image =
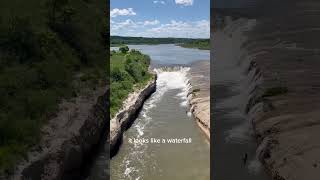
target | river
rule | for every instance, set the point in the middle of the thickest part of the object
(164, 116)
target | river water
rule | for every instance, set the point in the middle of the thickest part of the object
(165, 116)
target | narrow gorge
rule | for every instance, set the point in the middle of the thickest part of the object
(165, 116)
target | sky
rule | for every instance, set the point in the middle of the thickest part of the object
(160, 18)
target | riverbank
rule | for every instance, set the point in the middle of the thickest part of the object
(282, 83)
(126, 116)
(199, 94)
(202, 44)
(131, 84)
(129, 70)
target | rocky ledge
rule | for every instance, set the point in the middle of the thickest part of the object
(199, 95)
(284, 102)
(68, 139)
(126, 116)
(281, 60)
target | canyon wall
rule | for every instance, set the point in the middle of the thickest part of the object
(279, 55)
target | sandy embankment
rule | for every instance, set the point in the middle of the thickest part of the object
(283, 77)
(126, 116)
(199, 95)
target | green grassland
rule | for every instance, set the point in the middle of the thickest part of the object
(128, 71)
(49, 50)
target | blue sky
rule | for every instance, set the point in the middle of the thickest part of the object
(160, 18)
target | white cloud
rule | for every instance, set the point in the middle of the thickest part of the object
(130, 24)
(127, 24)
(160, 2)
(197, 29)
(122, 12)
(151, 23)
(184, 2)
(182, 29)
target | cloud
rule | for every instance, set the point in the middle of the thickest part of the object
(180, 29)
(130, 24)
(160, 2)
(122, 12)
(127, 24)
(151, 23)
(196, 29)
(184, 2)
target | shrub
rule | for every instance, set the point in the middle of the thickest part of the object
(127, 71)
(118, 74)
(124, 49)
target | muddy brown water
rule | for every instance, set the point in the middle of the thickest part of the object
(167, 119)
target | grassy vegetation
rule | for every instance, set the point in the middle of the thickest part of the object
(199, 44)
(119, 40)
(128, 70)
(49, 51)
(275, 91)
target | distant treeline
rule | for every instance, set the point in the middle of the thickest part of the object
(200, 44)
(120, 40)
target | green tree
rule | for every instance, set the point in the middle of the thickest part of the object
(124, 49)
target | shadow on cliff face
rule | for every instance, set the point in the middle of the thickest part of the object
(52, 53)
(233, 134)
(284, 52)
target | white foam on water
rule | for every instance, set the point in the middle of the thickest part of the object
(139, 129)
(175, 78)
(181, 95)
(184, 103)
(128, 169)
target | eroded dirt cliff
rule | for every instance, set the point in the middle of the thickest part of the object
(68, 139)
(280, 57)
